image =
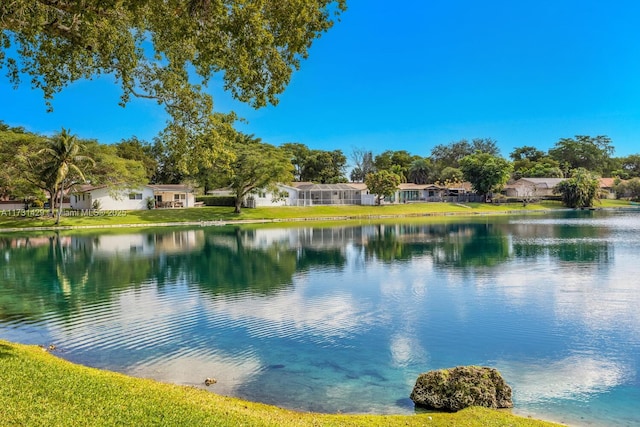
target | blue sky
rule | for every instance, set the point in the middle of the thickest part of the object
(411, 74)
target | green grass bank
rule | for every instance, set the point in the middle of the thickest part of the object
(16, 220)
(39, 389)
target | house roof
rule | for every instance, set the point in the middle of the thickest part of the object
(298, 184)
(327, 187)
(172, 187)
(540, 182)
(85, 188)
(607, 182)
(466, 186)
(411, 186)
(359, 185)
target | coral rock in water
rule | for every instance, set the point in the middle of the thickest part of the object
(457, 388)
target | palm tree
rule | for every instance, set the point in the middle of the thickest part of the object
(400, 171)
(420, 171)
(62, 164)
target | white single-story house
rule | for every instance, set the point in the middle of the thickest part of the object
(283, 195)
(173, 195)
(409, 192)
(306, 194)
(106, 198)
(310, 194)
(351, 193)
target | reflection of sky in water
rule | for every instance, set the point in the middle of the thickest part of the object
(574, 377)
(353, 335)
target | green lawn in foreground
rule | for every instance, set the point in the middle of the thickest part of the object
(39, 389)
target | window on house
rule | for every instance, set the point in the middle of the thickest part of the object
(179, 196)
(135, 196)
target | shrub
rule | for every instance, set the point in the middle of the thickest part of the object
(217, 200)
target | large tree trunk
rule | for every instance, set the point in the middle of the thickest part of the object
(60, 203)
(53, 195)
(238, 205)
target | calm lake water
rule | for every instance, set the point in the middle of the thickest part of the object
(344, 319)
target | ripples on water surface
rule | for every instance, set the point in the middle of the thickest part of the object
(344, 319)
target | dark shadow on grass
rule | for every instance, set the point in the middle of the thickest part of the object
(6, 351)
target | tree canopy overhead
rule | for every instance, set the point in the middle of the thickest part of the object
(150, 46)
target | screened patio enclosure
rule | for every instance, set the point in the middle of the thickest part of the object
(328, 194)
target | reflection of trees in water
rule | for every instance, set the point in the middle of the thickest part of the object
(60, 273)
(572, 251)
(477, 245)
(63, 273)
(225, 269)
(386, 245)
(487, 244)
(231, 263)
(572, 241)
(447, 244)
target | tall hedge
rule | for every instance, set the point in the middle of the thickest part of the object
(216, 200)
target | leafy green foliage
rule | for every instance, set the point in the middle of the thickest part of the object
(629, 167)
(60, 165)
(109, 168)
(255, 165)
(592, 153)
(325, 167)
(298, 153)
(579, 191)
(16, 147)
(382, 183)
(450, 174)
(142, 151)
(151, 46)
(485, 171)
(629, 189)
(421, 171)
(217, 200)
(320, 166)
(449, 155)
(32, 166)
(545, 167)
(397, 162)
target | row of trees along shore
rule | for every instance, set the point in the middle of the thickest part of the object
(33, 165)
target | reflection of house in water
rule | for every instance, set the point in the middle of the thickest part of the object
(305, 237)
(34, 242)
(332, 237)
(148, 244)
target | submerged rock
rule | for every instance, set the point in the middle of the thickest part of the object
(457, 388)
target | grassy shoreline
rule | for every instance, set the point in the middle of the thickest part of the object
(208, 216)
(41, 389)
